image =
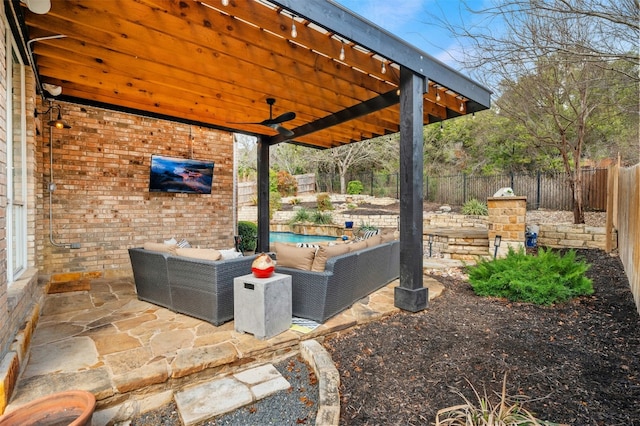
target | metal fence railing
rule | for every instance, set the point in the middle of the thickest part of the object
(543, 190)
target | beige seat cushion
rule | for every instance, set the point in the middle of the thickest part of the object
(294, 257)
(358, 245)
(326, 252)
(161, 247)
(199, 253)
(374, 241)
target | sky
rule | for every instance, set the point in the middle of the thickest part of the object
(418, 22)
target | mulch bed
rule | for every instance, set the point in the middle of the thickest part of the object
(575, 363)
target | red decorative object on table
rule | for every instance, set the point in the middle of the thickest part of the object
(263, 266)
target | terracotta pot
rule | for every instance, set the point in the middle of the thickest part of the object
(70, 408)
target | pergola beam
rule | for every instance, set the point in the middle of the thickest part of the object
(345, 23)
(367, 107)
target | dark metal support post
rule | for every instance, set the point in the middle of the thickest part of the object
(411, 295)
(263, 196)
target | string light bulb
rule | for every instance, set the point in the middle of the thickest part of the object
(342, 56)
(437, 96)
(461, 106)
(441, 127)
(383, 70)
(225, 2)
(294, 31)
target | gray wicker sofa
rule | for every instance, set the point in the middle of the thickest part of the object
(195, 287)
(346, 279)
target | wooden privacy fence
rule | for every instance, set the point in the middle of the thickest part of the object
(623, 215)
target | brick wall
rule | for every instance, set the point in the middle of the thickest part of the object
(101, 201)
(6, 332)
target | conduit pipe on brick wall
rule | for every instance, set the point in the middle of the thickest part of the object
(52, 188)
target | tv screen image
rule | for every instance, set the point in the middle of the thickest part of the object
(169, 174)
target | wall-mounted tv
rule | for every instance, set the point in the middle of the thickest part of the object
(169, 174)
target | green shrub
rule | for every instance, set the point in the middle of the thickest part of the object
(364, 227)
(320, 218)
(248, 232)
(302, 215)
(286, 183)
(475, 207)
(273, 181)
(324, 201)
(544, 279)
(354, 187)
(275, 203)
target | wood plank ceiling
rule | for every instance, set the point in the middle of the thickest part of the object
(204, 62)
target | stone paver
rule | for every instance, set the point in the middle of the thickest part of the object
(216, 397)
(135, 356)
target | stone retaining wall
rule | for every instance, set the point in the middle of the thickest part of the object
(453, 220)
(574, 236)
(550, 235)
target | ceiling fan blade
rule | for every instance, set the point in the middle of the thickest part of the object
(287, 116)
(282, 130)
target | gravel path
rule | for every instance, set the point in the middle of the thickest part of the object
(296, 406)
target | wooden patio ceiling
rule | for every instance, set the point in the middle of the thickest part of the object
(206, 63)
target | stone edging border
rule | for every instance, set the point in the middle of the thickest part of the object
(328, 382)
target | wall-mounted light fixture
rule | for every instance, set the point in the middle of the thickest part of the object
(496, 244)
(52, 89)
(38, 6)
(58, 123)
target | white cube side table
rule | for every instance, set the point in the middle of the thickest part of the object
(262, 306)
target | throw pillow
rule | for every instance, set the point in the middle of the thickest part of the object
(183, 243)
(196, 253)
(388, 237)
(325, 253)
(308, 245)
(289, 256)
(370, 233)
(161, 247)
(229, 254)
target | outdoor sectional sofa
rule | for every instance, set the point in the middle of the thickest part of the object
(194, 286)
(345, 278)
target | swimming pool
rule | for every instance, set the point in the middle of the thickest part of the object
(290, 237)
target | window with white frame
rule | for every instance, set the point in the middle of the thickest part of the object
(16, 225)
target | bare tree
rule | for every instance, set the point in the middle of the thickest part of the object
(374, 153)
(549, 67)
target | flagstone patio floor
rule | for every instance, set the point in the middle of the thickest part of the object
(135, 356)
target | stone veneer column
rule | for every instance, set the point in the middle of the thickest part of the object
(507, 218)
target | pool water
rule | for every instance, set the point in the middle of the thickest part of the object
(290, 237)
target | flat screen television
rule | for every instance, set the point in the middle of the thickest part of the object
(169, 174)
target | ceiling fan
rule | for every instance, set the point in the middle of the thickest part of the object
(274, 123)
